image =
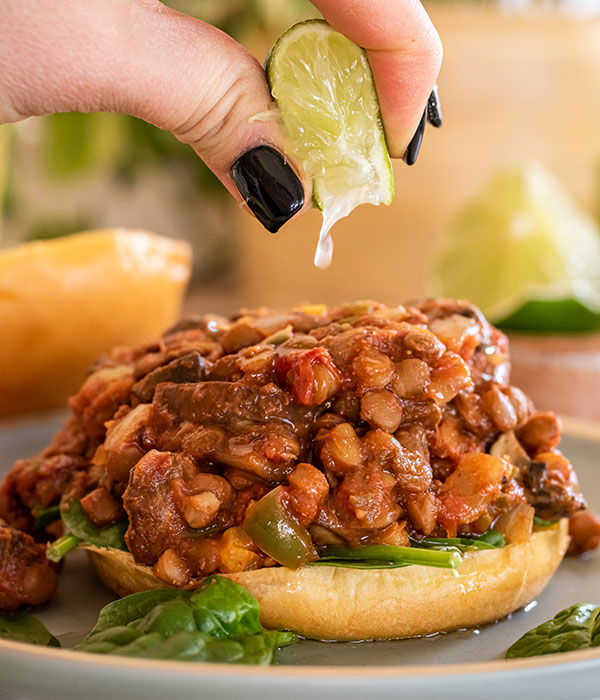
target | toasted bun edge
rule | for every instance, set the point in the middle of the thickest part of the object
(333, 603)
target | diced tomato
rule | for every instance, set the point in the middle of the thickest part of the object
(467, 492)
(296, 371)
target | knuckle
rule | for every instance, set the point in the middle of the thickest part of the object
(229, 106)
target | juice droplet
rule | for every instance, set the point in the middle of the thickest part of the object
(324, 251)
(333, 210)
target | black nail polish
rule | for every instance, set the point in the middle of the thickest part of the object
(270, 187)
(412, 151)
(434, 108)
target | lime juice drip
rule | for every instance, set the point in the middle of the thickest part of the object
(329, 112)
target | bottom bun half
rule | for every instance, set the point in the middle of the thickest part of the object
(333, 603)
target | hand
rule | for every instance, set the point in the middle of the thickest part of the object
(141, 58)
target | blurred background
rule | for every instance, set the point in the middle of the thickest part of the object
(519, 84)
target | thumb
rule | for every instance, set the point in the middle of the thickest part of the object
(405, 54)
(141, 58)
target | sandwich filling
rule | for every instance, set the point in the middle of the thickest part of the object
(236, 444)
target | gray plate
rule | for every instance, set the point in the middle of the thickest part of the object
(465, 664)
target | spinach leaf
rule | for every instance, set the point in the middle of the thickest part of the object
(492, 538)
(378, 556)
(77, 524)
(134, 606)
(443, 552)
(189, 645)
(489, 540)
(217, 622)
(347, 564)
(577, 627)
(539, 522)
(23, 627)
(80, 529)
(214, 603)
(45, 516)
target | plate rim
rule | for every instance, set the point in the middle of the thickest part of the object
(572, 427)
(566, 659)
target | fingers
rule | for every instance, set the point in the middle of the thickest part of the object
(139, 57)
(405, 53)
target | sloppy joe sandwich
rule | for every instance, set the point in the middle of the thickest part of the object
(366, 471)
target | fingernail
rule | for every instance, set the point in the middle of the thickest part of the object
(272, 190)
(410, 157)
(434, 108)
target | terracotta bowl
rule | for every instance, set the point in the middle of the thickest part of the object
(559, 372)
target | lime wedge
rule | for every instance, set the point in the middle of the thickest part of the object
(552, 316)
(324, 89)
(524, 253)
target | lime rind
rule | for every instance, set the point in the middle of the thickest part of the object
(520, 240)
(552, 316)
(324, 89)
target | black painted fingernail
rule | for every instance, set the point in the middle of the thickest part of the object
(410, 157)
(434, 108)
(270, 187)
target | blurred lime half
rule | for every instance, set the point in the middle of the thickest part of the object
(324, 89)
(525, 255)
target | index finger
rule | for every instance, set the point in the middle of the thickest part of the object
(405, 53)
